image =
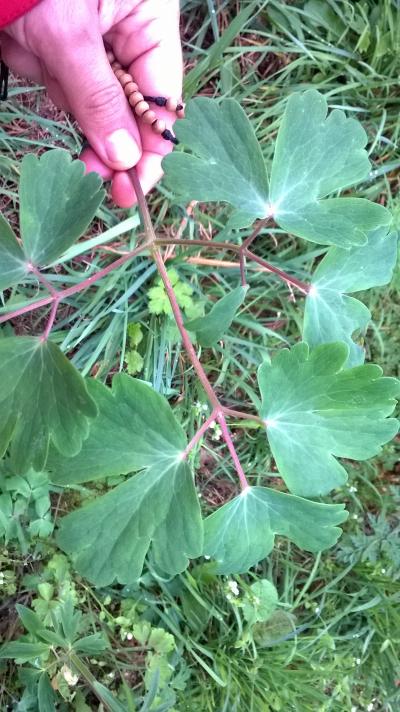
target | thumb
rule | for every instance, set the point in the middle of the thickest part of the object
(97, 101)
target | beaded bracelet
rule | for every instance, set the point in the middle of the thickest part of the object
(141, 104)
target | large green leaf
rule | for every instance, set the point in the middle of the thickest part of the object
(316, 410)
(241, 533)
(22, 651)
(316, 155)
(135, 429)
(212, 327)
(109, 538)
(57, 203)
(42, 397)
(13, 265)
(225, 162)
(330, 315)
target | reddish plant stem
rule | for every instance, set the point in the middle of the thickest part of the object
(189, 348)
(227, 437)
(50, 322)
(242, 267)
(245, 245)
(65, 293)
(42, 279)
(199, 434)
(301, 286)
(248, 241)
(239, 414)
(227, 246)
(201, 374)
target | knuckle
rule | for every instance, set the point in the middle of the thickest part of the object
(105, 99)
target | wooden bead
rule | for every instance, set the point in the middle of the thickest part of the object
(125, 79)
(159, 126)
(141, 108)
(135, 98)
(130, 88)
(110, 56)
(149, 117)
(171, 104)
(115, 66)
(119, 73)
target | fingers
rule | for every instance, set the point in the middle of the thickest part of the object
(149, 173)
(147, 42)
(20, 60)
(97, 100)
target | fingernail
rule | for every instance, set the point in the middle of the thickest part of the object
(122, 149)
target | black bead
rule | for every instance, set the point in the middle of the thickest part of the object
(170, 137)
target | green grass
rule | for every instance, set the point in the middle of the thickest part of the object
(335, 642)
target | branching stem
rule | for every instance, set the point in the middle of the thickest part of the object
(239, 414)
(65, 293)
(242, 253)
(218, 409)
(228, 439)
(245, 245)
(199, 434)
(42, 279)
(301, 286)
(50, 322)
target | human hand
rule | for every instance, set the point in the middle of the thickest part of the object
(61, 45)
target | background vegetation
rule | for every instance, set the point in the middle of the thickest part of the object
(200, 642)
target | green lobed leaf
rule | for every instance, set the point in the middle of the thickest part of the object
(110, 537)
(43, 397)
(136, 428)
(225, 160)
(57, 203)
(241, 533)
(158, 507)
(29, 620)
(316, 155)
(46, 694)
(315, 410)
(330, 315)
(13, 265)
(107, 698)
(260, 602)
(212, 327)
(22, 651)
(91, 644)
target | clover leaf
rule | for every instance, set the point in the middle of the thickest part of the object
(43, 398)
(13, 265)
(315, 410)
(135, 430)
(109, 538)
(212, 327)
(330, 315)
(241, 533)
(57, 203)
(316, 154)
(225, 162)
